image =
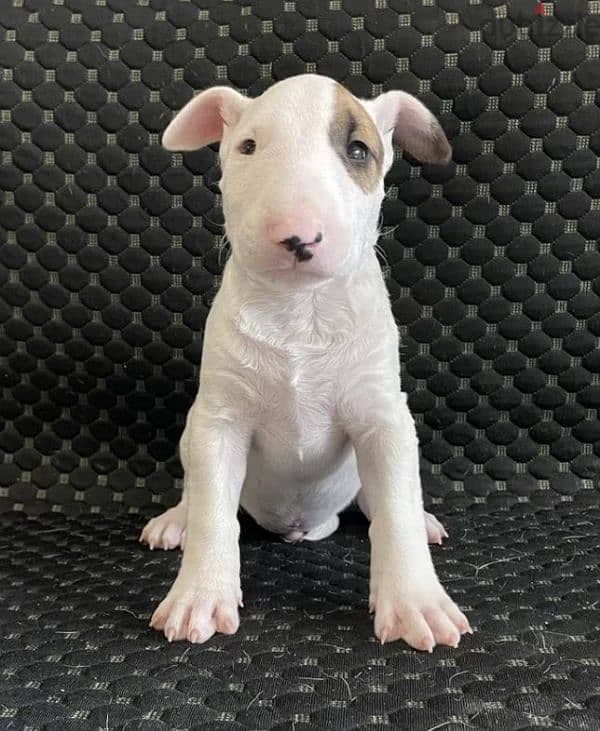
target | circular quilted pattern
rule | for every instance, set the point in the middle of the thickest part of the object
(111, 247)
(77, 653)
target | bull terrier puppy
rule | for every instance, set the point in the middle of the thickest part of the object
(300, 408)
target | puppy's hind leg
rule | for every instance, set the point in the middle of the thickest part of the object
(435, 530)
(167, 530)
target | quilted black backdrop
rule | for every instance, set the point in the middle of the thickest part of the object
(111, 246)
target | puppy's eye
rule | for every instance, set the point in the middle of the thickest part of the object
(248, 147)
(357, 151)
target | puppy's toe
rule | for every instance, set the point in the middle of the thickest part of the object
(435, 530)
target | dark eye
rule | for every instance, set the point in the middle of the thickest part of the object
(248, 147)
(357, 150)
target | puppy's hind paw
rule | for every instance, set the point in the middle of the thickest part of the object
(435, 530)
(167, 530)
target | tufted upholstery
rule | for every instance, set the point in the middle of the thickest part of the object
(111, 245)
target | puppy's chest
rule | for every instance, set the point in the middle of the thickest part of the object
(300, 403)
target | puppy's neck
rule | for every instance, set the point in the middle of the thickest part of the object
(327, 312)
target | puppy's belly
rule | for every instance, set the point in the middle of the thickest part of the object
(293, 487)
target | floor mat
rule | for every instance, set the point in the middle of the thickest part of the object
(76, 651)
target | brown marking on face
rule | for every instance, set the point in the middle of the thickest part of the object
(351, 122)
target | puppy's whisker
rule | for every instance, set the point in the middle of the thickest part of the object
(214, 223)
(384, 233)
(223, 244)
(382, 254)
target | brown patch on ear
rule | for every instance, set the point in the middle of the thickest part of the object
(351, 122)
(426, 145)
(440, 148)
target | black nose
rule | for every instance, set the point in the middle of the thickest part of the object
(298, 247)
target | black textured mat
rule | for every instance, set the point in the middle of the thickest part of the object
(75, 652)
(109, 245)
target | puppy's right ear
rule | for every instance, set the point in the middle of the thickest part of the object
(201, 121)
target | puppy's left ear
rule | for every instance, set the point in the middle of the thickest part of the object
(414, 127)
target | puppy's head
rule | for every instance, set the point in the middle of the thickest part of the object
(303, 167)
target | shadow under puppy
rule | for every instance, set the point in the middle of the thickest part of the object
(300, 408)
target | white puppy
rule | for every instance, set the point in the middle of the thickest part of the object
(300, 409)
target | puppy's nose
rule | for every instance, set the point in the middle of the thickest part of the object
(295, 233)
(301, 249)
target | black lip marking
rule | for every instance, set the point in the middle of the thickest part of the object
(295, 245)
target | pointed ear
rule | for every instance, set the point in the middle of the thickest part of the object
(201, 120)
(415, 129)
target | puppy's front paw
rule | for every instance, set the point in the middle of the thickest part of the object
(422, 615)
(195, 611)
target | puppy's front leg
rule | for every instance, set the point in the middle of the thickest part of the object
(205, 596)
(406, 595)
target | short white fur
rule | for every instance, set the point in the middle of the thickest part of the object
(300, 408)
